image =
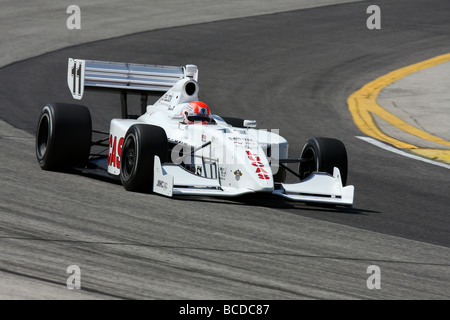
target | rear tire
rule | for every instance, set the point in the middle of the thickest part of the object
(63, 136)
(325, 154)
(142, 142)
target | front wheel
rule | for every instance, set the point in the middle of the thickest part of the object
(322, 155)
(142, 142)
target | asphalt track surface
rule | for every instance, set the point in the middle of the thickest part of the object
(291, 71)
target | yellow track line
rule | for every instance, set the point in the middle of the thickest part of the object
(363, 105)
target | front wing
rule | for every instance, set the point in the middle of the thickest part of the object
(319, 188)
(171, 179)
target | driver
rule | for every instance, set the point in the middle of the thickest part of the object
(196, 111)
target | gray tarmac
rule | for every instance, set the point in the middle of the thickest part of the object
(421, 99)
(30, 27)
(294, 71)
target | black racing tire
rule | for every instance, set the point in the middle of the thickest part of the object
(235, 122)
(63, 136)
(142, 142)
(325, 154)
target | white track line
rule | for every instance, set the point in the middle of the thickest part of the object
(403, 153)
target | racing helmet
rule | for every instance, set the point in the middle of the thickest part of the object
(196, 111)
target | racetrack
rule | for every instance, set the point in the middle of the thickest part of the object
(293, 71)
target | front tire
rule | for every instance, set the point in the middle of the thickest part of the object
(142, 142)
(324, 155)
(63, 136)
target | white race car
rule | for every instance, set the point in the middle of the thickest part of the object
(176, 146)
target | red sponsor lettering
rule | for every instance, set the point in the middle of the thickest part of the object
(260, 170)
(254, 158)
(115, 151)
(119, 152)
(256, 162)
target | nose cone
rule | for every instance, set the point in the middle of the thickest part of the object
(259, 169)
(253, 169)
(242, 162)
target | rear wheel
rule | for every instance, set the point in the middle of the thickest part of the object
(322, 155)
(63, 136)
(142, 142)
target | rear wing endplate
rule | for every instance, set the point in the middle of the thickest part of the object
(124, 77)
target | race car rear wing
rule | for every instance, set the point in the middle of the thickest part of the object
(124, 78)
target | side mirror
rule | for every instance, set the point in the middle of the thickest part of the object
(250, 123)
